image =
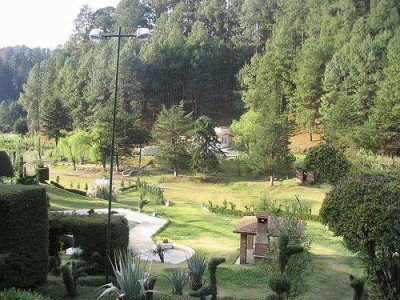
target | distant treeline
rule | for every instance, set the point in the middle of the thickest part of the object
(324, 65)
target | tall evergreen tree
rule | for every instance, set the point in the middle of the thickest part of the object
(205, 147)
(171, 133)
(55, 118)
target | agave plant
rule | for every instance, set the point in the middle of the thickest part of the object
(131, 276)
(197, 265)
(178, 278)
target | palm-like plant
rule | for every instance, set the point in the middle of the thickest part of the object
(197, 265)
(178, 278)
(131, 276)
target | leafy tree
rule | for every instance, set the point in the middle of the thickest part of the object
(205, 146)
(171, 132)
(364, 210)
(75, 146)
(55, 118)
(83, 23)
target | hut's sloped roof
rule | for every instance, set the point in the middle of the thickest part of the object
(275, 226)
(247, 225)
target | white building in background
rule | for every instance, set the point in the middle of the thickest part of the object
(224, 135)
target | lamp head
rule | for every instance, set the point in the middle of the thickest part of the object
(96, 35)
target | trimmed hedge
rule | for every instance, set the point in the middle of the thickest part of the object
(90, 233)
(78, 192)
(6, 168)
(24, 238)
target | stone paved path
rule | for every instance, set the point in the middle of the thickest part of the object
(140, 237)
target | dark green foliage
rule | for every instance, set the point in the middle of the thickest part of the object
(24, 238)
(171, 133)
(358, 286)
(280, 284)
(89, 233)
(364, 209)
(55, 118)
(6, 168)
(13, 294)
(281, 281)
(205, 147)
(286, 251)
(21, 126)
(329, 163)
(211, 288)
(42, 173)
(70, 277)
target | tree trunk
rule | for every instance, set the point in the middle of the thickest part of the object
(140, 155)
(116, 163)
(271, 180)
(57, 138)
(175, 172)
(74, 164)
(310, 134)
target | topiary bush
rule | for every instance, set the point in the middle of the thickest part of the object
(90, 233)
(6, 168)
(42, 173)
(327, 162)
(24, 238)
(364, 209)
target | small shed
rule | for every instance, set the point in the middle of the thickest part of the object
(224, 136)
(256, 231)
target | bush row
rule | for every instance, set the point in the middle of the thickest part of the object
(79, 192)
(240, 213)
(23, 236)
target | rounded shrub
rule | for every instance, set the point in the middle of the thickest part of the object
(327, 162)
(6, 168)
(364, 209)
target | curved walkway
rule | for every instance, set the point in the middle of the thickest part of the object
(140, 237)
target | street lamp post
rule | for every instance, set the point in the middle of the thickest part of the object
(97, 35)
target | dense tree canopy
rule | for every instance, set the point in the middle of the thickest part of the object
(326, 65)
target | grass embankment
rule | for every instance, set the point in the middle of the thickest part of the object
(191, 225)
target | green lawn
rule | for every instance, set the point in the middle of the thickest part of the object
(191, 225)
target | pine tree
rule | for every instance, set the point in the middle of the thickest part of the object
(205, 146)
(55, 118)
(171, 134)
(383, 127)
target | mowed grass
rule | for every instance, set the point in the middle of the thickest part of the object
(213, 233)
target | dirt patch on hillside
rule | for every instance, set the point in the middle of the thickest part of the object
(300, 142)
